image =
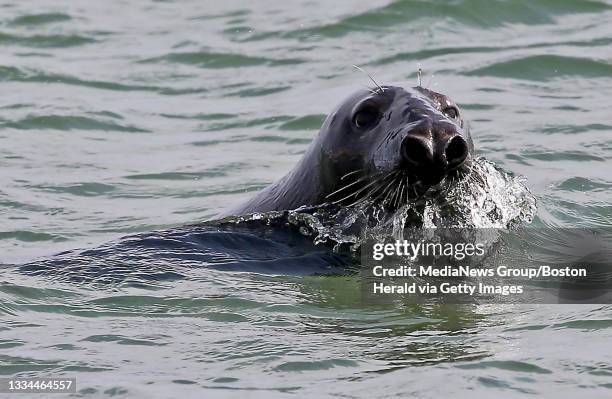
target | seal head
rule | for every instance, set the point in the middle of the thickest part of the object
(390, 145)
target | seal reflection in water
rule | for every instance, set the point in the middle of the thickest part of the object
(390, 146)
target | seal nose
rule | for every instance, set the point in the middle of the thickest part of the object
(416, 152)
(456, 151)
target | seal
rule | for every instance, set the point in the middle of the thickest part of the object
(388, 145)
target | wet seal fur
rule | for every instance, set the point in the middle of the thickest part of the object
(390, 145)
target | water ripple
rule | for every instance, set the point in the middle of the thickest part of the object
(69, 122)
(45, 41)
(41, 19)
(215, 60)
(545, 67)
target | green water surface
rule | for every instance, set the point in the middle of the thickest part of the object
(119, 117)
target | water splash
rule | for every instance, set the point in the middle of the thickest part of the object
(487, 197)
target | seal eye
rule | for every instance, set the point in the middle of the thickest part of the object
(366, 117)
(451, 112)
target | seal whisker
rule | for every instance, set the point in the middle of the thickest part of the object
(405, 190)
(385, 188)
(382, 185)
(393, 196)
(398, 196)
(362, 199)
(371, 78)
(394, 192)
(360, 180)
(355, 194)
(367, 196)
(351, 173)
(398, 200)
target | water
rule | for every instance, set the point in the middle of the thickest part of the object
(119, 118)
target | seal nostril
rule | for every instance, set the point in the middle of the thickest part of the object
(416, 152)
(456, 151)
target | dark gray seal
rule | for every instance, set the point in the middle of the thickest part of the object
(389, 145)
